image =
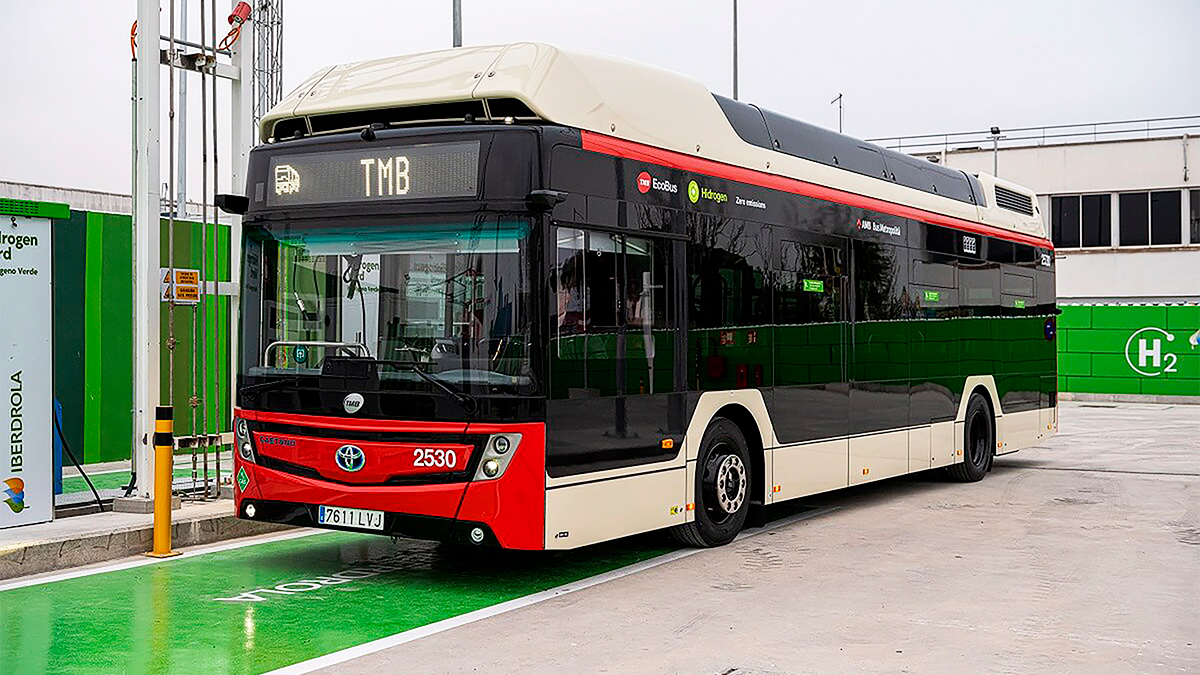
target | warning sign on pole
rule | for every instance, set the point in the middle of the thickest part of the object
(26, 372)
(185, 290)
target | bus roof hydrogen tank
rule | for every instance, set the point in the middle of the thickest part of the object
(523, 297)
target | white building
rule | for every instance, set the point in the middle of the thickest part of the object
(1122, 200)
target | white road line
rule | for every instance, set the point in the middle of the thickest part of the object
(143, 561)
(351, 653)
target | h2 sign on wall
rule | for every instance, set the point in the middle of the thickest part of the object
(26, 450)
(1149, 352)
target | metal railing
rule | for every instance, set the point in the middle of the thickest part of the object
(1155, 127)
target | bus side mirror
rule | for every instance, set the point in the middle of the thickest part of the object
(544, 200)
(234, 204)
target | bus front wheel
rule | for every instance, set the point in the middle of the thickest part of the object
(979, 437)
(723, 482)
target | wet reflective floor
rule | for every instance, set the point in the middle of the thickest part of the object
(257, 608)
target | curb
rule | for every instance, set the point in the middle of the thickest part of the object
(1161, 399)
(52, 555)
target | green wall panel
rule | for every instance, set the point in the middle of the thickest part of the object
(1093, 342)
(69, 241)
(1076, 316)
(1103, 385)
(1074, 364)
(1128, 316)
(1171, 387)
(109, 336)
(1183, 317)
(1096, 341)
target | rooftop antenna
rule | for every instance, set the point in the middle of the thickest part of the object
(838, 101)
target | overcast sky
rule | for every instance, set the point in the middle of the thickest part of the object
(905, 67)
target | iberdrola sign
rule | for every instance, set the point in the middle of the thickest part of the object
(26, 382)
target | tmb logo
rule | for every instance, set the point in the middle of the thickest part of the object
(643, 182)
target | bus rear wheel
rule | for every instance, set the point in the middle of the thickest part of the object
(723, 482)
(979, 437)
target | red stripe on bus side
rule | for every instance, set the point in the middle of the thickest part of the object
(617, 147)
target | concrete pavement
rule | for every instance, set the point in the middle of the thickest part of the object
(1081, 556)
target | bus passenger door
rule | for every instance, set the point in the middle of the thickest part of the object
(613, 394)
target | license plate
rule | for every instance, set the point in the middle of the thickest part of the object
(344, 517)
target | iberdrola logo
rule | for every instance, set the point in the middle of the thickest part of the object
(15, 494)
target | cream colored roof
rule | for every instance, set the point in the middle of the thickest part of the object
(604, 94)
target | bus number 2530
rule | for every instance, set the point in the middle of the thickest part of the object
(435, 457)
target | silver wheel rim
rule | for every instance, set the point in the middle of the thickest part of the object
(731, 484)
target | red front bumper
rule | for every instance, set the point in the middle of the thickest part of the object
(512, 506)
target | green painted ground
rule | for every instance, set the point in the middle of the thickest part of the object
(262, 607)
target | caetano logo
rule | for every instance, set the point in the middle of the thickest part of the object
(14, 494)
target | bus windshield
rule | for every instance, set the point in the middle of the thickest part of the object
(449, 298)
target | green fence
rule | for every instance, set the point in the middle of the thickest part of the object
(1129, 349)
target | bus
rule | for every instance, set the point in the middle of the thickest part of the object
(524, 297)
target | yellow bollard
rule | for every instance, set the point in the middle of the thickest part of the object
(164, 474)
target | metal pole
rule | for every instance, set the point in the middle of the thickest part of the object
(995, 155)
(202, 347)
(181, 164)
(243, 138)
(838, 101)
(172, 207)
(735, 52)
(133, 209)
(457, 23)
(215, 236)
(146, 228)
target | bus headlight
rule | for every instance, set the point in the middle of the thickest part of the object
(498, 452)
(500, 445)
(490, 467)
(246, 451)
(243, 430)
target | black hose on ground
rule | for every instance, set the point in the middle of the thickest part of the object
(67, 449)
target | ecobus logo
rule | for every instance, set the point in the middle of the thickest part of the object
(646, 183)
(1145, 348)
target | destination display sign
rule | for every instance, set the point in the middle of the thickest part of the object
(375, 173)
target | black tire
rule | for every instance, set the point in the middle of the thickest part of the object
(979, 442)
(723, 487)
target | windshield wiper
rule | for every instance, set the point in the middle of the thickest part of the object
(266, 386)
(468, 402)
